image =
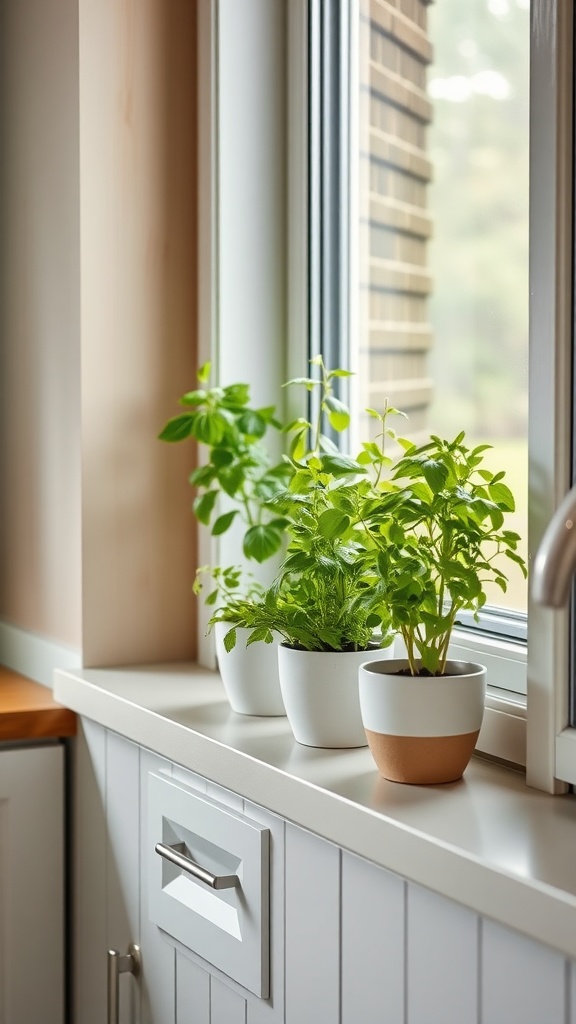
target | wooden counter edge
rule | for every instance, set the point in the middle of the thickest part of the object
(28, 710)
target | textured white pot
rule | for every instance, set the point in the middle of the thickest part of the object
(320, 691)
(249, 674)
(422, 729)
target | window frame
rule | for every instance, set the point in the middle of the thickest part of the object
(551, 744)
(537, 736)
(505, 654)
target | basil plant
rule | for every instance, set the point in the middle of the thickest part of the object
(440, 530)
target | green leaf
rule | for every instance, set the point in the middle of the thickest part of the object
(327, 445)
(338, 414)
(209, 427)
(297, 449)
(341, 465)
(502, 494)
(252, 424)
(306, 381)
(230, 640)
(340, 373)
(261, 542)
(178, 428)
(231, 480)
(204, 373)
(396, 534)
(497, 519)
(299, 424)
(333, 523)
(203, 476)
(224, 522)
(518, 559)
(203, 506)
(421, 491)
(260, 635)
(237, 394)
(221, 457)
(193, 398)
(435, 474)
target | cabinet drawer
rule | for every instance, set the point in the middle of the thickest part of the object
(220, 911)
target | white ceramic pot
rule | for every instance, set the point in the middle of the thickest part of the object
(422, 729)
(320, 691)
(249, 674)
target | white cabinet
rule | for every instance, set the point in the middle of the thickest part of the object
(32, 885)
(349, 942)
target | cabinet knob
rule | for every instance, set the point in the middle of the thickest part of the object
(117, 965)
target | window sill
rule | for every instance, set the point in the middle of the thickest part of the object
(488, 842)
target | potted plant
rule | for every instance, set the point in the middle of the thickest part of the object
(237, 473)
(328, 600)
(440, 530)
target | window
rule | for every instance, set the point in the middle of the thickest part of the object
(258, 192)
(441, 176)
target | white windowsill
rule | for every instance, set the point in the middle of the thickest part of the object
(489, 842)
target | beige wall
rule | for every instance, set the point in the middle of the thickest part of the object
(137, 168)
(39, 319)
(97, 318)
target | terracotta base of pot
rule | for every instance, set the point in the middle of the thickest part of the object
(421, 760)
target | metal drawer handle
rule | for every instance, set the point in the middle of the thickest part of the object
(176, 856)
(117, 965)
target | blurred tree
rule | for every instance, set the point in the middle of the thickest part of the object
(478, 145)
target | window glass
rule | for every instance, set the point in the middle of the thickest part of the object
(441, 202)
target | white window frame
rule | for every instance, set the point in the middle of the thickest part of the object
(504, 728)
(264, 227)
(551, 745)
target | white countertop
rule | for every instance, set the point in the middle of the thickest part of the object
(488, 841)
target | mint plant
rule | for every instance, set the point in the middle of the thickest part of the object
(238, 464)
(439, 528)
(328, 594)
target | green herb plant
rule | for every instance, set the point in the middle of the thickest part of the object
(237, 599)
(439, 528)
(238, 465)
(328, 594)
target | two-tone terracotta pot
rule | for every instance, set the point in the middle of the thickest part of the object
(249, 674)
(320, 691)
(422, 729)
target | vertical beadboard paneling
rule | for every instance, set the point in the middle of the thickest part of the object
(442, 967)
(521, 979)
(271, 1011)
(89, 823)
(372, 943)
(192, 992)
(312, 929)
(226, 1006)
(158, 981)
(571, 992)
(123, 859)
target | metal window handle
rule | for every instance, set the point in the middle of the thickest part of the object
(117, 965)
(555, 562)
(176, 856)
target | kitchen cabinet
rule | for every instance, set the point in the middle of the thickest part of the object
(349, 941)
(32, 884)
(32, 852)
